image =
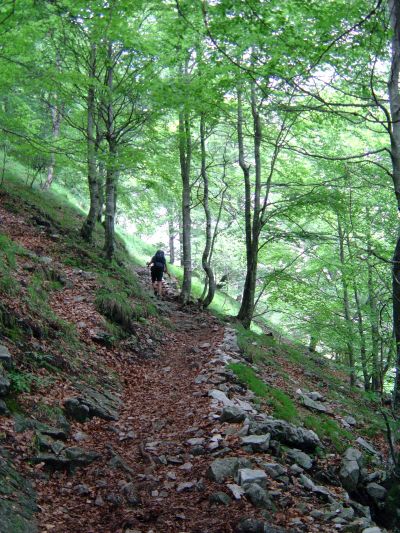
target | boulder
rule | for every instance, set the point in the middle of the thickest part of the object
(318, 490)
(248, 476)
(286, 433)
(257, 443)
(4, 386)
(301, 458)
(258, 497)
(367, 446)
(4, 411)
(316, 396)
(376, 491)
(220, 397)
(67, 458)
(350, 470)
(232, 414)
(92, 403)
(237, 490)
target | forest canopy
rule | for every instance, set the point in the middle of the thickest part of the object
(259, 139)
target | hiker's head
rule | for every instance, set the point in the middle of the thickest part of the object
(159, 253)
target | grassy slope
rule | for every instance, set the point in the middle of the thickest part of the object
(275, 369)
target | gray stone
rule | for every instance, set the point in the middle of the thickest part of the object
(274, 470)
(80, 436)
(377, 492)
(232, 414)
(82, 489)
(258, 497)
(257, 443)
(220, 498)
(356, 526)
(350, 420)
(220, 397)
(349, 475)
(318, 490)
(296, 470)
(367, 446)
(352, 454)
(300, 458)
(222, 469)
(81, 457)
(185, 486)
(372, 530)
(316, 396)
(247, 476)
(5, 357)
(4, 386)
(76, 410)
(130, 494)
(287, 433)
(313, 405)
(237, 490)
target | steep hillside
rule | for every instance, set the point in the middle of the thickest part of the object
(122, 413)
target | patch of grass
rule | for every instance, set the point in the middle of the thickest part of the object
(284, 407)
(326, 428)
(116, 307)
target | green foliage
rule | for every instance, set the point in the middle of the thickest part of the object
(21, 381)
(116, 307)
(283, 406)
(326, 428)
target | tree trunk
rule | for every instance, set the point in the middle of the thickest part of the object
(111, 171)
(205, 260)
(346, 307)
(373, 312)
(252, 226)
(185, 153)
(90, 222)
(394, 101)
(171, 236)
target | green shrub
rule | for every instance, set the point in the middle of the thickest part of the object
(116, 307)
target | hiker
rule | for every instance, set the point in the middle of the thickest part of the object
(158, 265)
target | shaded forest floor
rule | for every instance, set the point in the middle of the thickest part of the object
(150, 471)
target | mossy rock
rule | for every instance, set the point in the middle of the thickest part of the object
(17, 500)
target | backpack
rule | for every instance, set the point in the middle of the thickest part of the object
(159, 260)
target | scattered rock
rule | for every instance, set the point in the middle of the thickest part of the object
(274, 470)
(67, 458)
(232, 414)
(4, 386)
(258, 497)
(318, 490)
(196, 441)
(186, 486)
(4, 409)
(247, 476)
(221, 397)
(350, 470)
(82, 489)
(313, 405)
(350, 420)
(257, 443)
(92, 403)
(80, 436)
(300, 458)
(99, 501)
(131, 494)
(237, 490)
(219, 498)
(222, 469)
(367, 446)
(287, 433)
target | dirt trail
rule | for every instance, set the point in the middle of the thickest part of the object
(161, 408)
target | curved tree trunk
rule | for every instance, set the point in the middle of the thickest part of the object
(205, 260)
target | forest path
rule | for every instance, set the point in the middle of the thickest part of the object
(148, 477)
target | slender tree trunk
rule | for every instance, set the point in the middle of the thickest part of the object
(111, 171)
(205, 260)
(346, 306)
(252, 226)
(171, 237)
(185, 154)
(373, 316)
(394, 101)
(90, 222)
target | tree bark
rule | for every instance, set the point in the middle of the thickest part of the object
(346, 306)
(111, 171)
(394, 102)
(205, 260)
(90, 222)
(185, 154)
(171, 237)
(252, 223)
